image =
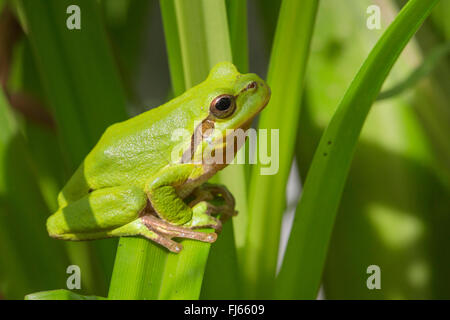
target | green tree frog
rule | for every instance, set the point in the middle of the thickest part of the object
(134, 183)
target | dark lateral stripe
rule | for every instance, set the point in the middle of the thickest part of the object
(196, 139)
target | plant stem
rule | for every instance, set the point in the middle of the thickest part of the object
(83, 89)
(286, 73)
(197, 38)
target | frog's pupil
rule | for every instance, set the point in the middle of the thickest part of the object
(223, 104)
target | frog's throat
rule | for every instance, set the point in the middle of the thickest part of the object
(203, 132)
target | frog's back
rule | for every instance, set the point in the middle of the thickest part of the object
(128, 152)
(132, 151)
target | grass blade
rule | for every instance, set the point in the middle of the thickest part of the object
(60, 294)
(237, 23)
(229, 247)
(147, 262)
(385, 216)
(194, 45)
(301, 271)
(83, 89)
(30, 259)
(286, 73)
(203, 43)
(173, 45)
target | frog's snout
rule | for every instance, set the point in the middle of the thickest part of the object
(267, 95)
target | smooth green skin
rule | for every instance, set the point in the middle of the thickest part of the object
(133, 168)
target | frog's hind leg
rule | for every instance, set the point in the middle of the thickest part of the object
(98, 212)
(161, 232)
(172, 231)
(117, 212)
(134, 228)
(139, 228)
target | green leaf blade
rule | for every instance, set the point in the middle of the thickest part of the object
(286, 73)
(305, 255)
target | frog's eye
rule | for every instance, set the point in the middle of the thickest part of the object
(223, 106)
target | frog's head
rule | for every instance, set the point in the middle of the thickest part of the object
(233, 100)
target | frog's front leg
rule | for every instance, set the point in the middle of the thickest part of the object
(210, 202)
(164, 194)
(219, 199)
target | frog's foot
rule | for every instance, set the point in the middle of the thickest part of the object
(204, 215)
(167, 231)
(220, 202)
